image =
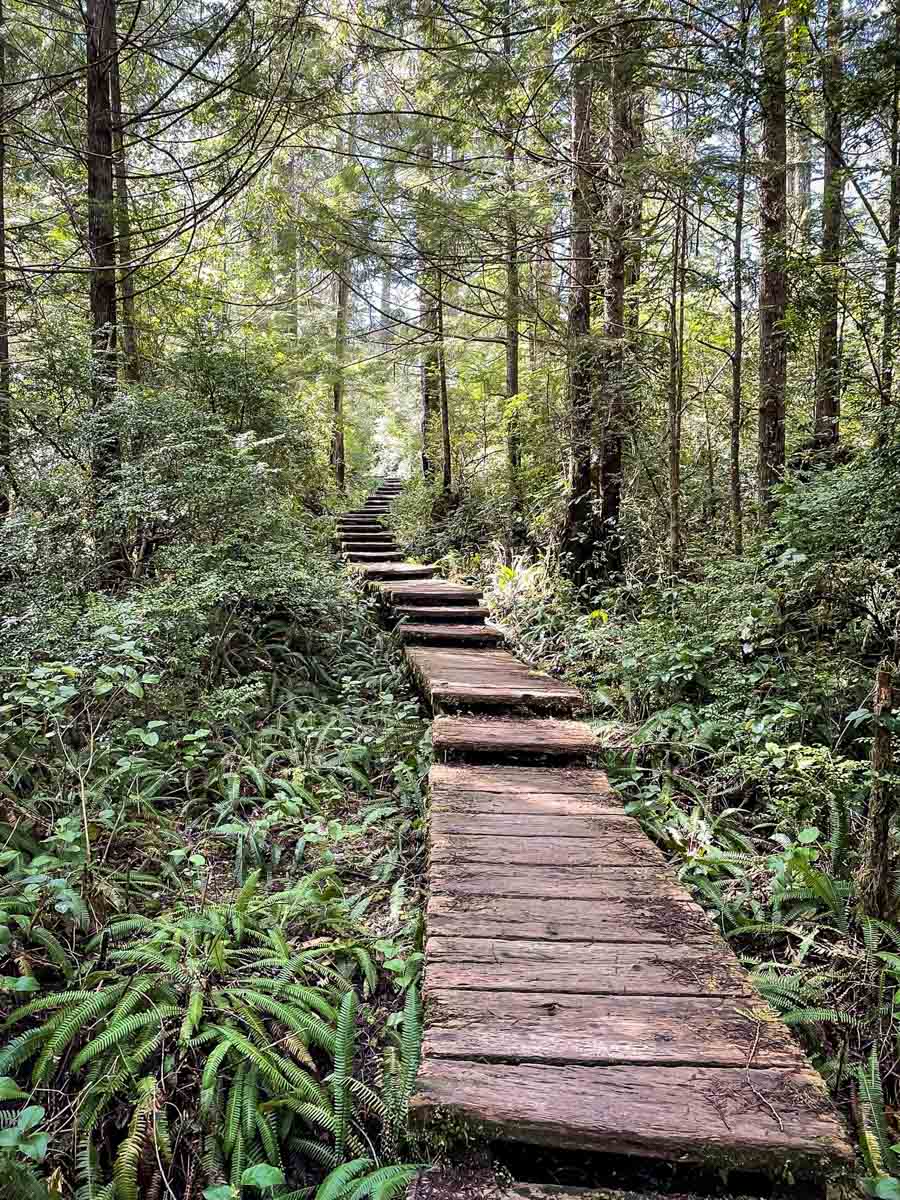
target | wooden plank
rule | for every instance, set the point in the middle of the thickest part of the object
(566, 825)
(449, 634)
(374, 557)
(514, 804)
(562, 883)
(442, 612)
(555, 780)
(398, 571)
(746, 1116)
(595, 968)
(438, 589)
(507, 737)
(557, 1027)
(630, 919)
(599, 850)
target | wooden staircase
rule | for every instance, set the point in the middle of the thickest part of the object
(576, 995)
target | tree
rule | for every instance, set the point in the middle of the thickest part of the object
(828, 379)
(773, 225)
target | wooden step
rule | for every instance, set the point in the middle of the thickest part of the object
(430, 590)
(506, 737)
(374, 538)
(470, 613)
(376, 557)
(446, 634)
(459, 678)
(361, 526)
(746, 1116)
(368, 542)
(398, 571)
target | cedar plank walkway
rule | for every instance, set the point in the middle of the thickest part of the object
(576, 995)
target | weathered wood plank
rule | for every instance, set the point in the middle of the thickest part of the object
(566, 824)
(590, 968)
(438, 589)
(449, 634)
(459, 736)
(523, 804)
(598, 850)
(397, 571)
(518, 780)
(631, 919)
(558, 1027)
(746, 1116)
(442, 612)
(562, 883)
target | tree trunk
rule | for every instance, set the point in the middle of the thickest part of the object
(131, 360)
(773, 283)
(890, 266)
(514, 449)
(446, 450)
(100, 39)
(676, 383)
(5, 374)
(578, 533)
(828, 380)
(613, 405)
(875, 881)
(737, 353)
(342, 315)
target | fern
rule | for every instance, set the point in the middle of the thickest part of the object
(338, 1182)
(343, 1068)
(874, 1137)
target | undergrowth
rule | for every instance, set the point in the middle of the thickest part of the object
(211, 818)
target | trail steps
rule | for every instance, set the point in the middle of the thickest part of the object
(576, 996)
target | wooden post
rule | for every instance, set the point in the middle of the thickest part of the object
(875, 881)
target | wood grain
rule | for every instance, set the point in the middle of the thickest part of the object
(632, 919)
(752, 1117)
(591, 968)
(556, 1027)
(459, 736)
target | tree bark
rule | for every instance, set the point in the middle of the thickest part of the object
(826, 425)
(889, 318)
(342, 316)
(131, 360)
(578, 533)
(514, 448)
(875, 881)
(446, 449)
(100, 40)
(614, 403)
(773, 282)
(737, 352)
(676, 384)
(5, 374)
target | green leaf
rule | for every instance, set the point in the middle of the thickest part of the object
(263, 1175)
(35, 1146)
(10, 1090)
(30, 1117)
(221, 1192)
(805, 836)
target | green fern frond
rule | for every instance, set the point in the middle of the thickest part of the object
(385, 1183)
(343, 1067)
(336, 1185)
(122, 1030)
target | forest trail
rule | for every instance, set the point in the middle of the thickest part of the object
(576, 996)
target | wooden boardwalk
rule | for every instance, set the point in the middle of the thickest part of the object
(575, 994)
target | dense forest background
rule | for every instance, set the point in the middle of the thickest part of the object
(614, 287)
